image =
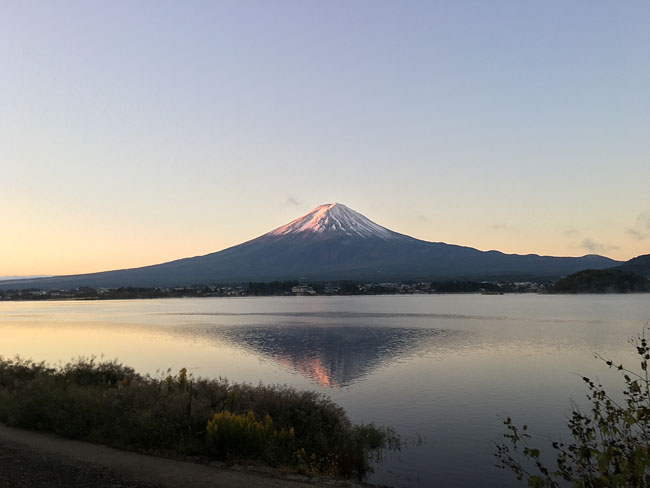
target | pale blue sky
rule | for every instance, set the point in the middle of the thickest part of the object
(135, 132)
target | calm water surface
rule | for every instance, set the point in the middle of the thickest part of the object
(441, 369)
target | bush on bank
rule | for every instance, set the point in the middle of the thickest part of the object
(609, 443)
(107, 402)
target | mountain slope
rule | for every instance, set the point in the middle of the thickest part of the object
(639, 265)
(332, 242)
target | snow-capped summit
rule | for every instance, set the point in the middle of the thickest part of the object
(334, 218)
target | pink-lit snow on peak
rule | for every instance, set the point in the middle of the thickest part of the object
(334, 218)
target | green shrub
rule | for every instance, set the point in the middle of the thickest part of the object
(610, 444)
(86, 371)
(242, 436)
(15, 373)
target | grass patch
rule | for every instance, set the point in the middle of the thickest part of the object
(109, 403)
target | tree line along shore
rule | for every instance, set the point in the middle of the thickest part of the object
(586, 281)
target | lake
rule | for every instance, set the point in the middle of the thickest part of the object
(443, 370)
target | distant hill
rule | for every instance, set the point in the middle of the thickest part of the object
(602, 281)
(639, 265)
(11, 278)
(332, 242)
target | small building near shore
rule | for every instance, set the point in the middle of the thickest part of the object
(302, 290)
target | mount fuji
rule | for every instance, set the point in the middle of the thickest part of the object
(332, 242)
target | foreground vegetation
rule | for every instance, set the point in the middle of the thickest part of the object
(610, 444)
(106, 402)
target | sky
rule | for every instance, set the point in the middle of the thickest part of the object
(138, 132)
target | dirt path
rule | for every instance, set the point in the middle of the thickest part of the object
(39, 460)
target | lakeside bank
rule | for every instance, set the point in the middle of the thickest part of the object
(44, 460)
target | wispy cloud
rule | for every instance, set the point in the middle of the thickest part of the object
(571, 232)
(420, 217)
(497, 226)
(641, 229)
(637, 234)
(293, 201)
(594, 246)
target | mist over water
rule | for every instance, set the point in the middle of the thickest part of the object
(441, 369)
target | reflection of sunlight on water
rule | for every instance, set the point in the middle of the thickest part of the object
(313, 369)
(335, 314)
(318, 371)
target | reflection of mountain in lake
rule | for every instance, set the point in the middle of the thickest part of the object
(334, 356)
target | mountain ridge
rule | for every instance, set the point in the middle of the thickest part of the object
(332, 242)
(639, 265)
